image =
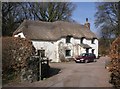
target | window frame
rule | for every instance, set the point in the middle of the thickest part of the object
(93, 51)
(19, 36)
(81, 40)
(93, 41)
(67, 54)
(87, 50)
(40, 51)
(68, 39)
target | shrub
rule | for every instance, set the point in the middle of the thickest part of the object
(15, 52)
(115, 60)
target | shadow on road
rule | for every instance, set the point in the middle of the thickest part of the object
(53, 71)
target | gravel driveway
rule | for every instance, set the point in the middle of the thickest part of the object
(71, 74)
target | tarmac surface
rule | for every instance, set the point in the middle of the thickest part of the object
(71, 74)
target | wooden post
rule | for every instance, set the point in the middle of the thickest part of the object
(40, 67)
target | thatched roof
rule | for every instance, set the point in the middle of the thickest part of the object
(38, 30)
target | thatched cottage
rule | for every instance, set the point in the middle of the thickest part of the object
(59, 40)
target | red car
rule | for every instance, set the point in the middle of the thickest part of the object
(86, 57)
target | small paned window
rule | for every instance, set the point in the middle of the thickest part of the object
(81, 41)
(93, 51)
(68, 52)
(19, 35)
(41, 53)
(87, 50)
(93, 41)
(68, 39)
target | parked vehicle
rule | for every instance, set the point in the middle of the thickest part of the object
(86, 57)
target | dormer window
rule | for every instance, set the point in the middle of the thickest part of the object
(68, 39)
(93, 41)
(81, 41)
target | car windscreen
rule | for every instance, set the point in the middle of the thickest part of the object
(82, 54)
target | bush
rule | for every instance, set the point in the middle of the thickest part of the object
(15, 52)
(115, 60)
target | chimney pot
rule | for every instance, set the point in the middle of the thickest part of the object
(86, 19)
(87, 24)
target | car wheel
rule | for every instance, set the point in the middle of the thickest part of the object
(76, 61)
(94, 60)
(86, 61)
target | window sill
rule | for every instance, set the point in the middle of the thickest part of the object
(68, 42)
(68, 56)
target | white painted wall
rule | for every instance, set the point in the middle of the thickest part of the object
(94, 46)
(51, 48)
(20, 34)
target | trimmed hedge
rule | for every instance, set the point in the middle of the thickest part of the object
(115, 60)
(15, 52)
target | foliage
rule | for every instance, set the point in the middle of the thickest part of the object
(115, 59)
(15, 52)
(13, 13)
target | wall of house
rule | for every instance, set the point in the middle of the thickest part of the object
(20, 35)
(76, 49)
(93, 45)
(52, 48)
(73, 46)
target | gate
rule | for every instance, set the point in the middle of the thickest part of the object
(42, 67)
(37, 69)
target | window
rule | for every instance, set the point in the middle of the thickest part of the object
(19, 35)
(68, 38)
(81, 41)
(93, 41)
(68, 52)
(41, 52)
(93, 51)
(87, 50)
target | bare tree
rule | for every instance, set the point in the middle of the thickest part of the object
(13, 13)
(107, 18)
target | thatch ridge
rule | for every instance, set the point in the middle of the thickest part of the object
(53, 31)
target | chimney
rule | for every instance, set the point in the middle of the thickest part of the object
(87, 24)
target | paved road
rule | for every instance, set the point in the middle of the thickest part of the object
(73, 74)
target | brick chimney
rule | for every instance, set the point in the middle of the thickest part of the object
(87, 24)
